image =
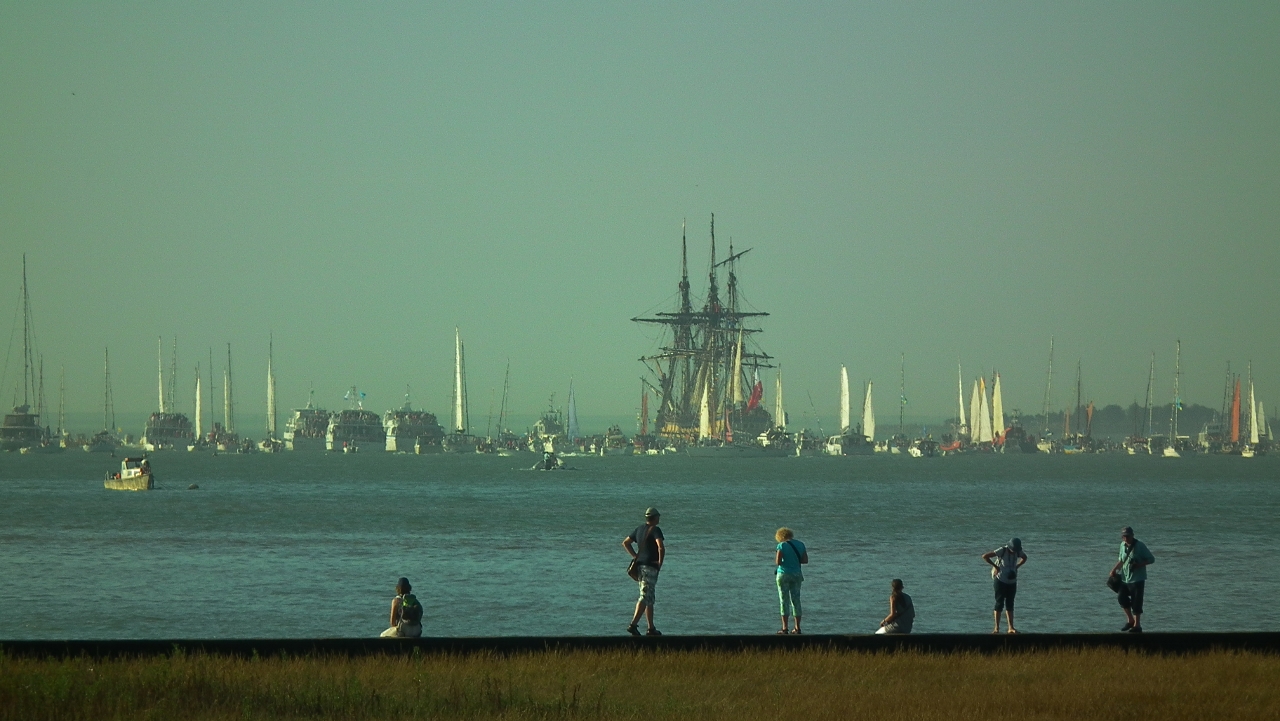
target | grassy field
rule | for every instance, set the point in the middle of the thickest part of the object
(1092, 684)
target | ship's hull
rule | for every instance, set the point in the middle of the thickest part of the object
(303, 443)
(458, 443)
(20, 430)
(137, 483)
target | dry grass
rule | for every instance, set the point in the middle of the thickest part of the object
(1102, 684)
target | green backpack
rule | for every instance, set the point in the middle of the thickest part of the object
(410, 609)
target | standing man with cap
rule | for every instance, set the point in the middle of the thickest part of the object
(648, 555)
(1132, 569)
(1005, 562)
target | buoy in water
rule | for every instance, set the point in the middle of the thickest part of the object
(193, 487)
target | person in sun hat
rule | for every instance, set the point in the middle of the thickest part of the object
(788, 556)
(1005, 562)
(1132, 570)
(648, 550)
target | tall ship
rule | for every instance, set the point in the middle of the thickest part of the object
(306, 428)
(355, 428)
(410, 431)
(707, 370)
(21, 427)
(167, 429)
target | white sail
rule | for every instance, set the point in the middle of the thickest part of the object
(997, 410)
(1264, 431)
(704, 415)
(573, 414)
(199, 408)
(1253, 417)
(868, 416)
(974, 425)
(984, 413)
(844, 400)
(271, 391)
(459, 387)
(779, 414)
(964, 426)
(160, 371)
(737, 374)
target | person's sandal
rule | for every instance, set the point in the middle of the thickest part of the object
(797, 632)
(783, 632)
(633, 630)
(653, 632)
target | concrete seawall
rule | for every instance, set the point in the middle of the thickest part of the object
(1162, 643)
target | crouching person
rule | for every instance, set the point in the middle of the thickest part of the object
(902, 612)
(406, 613)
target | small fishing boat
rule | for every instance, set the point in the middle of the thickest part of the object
(134, 475)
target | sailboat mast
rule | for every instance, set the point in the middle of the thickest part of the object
(1048, 389)
(779, 413)
(107, 423)
(173, 378)
(644, 409)
(502, 409)
(28, 382)
(1177, 400)
(62, 402)
(160, 370)
(228, 408)
(271, 387)
(1151, 379)
(902, 393)
(199, 407)
(844, 400)
(963, 428)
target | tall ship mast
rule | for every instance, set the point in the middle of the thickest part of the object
(708, 359)
(21, 428)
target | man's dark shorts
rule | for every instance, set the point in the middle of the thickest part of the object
(1004, 595)
(1131, 595)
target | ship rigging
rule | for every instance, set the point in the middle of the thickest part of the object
(707, 371)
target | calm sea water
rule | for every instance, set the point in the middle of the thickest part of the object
(310, 545)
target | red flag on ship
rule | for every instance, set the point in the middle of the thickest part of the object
(757, 392)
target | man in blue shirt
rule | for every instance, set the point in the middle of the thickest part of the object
(1132, 570)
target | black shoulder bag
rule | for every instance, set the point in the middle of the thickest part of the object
(633, 568)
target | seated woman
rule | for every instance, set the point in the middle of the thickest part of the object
(406, 613)
(902, 612)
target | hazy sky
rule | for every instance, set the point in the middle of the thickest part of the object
(949, 181)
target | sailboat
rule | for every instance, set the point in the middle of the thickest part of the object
(1250, 450)
(1171, 450)
(272, 443)
(998, 428)
(105, 441)
(852, 441)
(21, 428)
(459, 438)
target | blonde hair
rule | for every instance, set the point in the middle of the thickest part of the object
(784, 534)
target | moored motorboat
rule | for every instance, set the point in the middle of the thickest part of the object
(134, 475)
